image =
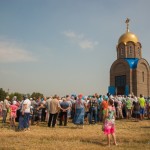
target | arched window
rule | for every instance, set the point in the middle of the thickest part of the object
(143, 76)
(139, 51)
(130, 50)
(121, 50)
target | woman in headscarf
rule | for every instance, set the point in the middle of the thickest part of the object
(80, 105)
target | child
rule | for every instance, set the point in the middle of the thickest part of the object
(109, 122)
(13, 113)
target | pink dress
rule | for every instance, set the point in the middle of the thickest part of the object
(13, 110)
(109, 124)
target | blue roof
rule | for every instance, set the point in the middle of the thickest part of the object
(132, 62)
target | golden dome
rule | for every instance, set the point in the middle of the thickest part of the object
(128, 36)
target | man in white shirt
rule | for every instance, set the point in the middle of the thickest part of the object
(26, 112)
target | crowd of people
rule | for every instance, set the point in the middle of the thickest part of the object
(79, 110)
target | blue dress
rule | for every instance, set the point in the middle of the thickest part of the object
(79, 112)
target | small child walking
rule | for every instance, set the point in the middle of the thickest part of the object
(13, 114)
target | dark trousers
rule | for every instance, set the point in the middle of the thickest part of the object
(93, 113)
(63, 116)
(52, 120)
(43, 115)
(4, 113)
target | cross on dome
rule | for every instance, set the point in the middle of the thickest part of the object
(127, 22)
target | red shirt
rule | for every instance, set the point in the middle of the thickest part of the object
(105, 104)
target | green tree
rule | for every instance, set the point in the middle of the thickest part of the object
(3, 94)
(36, 95)
(19, 96)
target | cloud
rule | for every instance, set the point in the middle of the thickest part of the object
(12, 52)
(80, 40)
(70, 34)
(85, 44)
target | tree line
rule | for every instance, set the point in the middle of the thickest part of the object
(3, 95)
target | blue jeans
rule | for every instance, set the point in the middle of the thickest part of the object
(26, 120)
(98, 115)
(142, 111)
(93, 113)
(21, 121)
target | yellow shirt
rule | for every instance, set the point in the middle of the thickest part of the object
(142, 102)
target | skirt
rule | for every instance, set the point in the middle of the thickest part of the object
(109, 127)
(79, 116)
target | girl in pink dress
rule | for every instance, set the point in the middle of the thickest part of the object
(13, 113)
(109, 122)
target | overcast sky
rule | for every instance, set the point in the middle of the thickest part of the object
(65, 46)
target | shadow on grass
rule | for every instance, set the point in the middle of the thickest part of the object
(90, 141)
(69, 127)
(131, 120)
(145, 127)
(44, 125)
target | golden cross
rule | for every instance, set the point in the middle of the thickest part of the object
(127, 22)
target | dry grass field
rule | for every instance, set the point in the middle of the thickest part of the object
(130, 135)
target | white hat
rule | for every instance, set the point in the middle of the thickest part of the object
(111, 97)
(14, 102)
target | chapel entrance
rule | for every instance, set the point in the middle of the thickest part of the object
(120, 84)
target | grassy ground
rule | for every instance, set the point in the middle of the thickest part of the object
(130, 135)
